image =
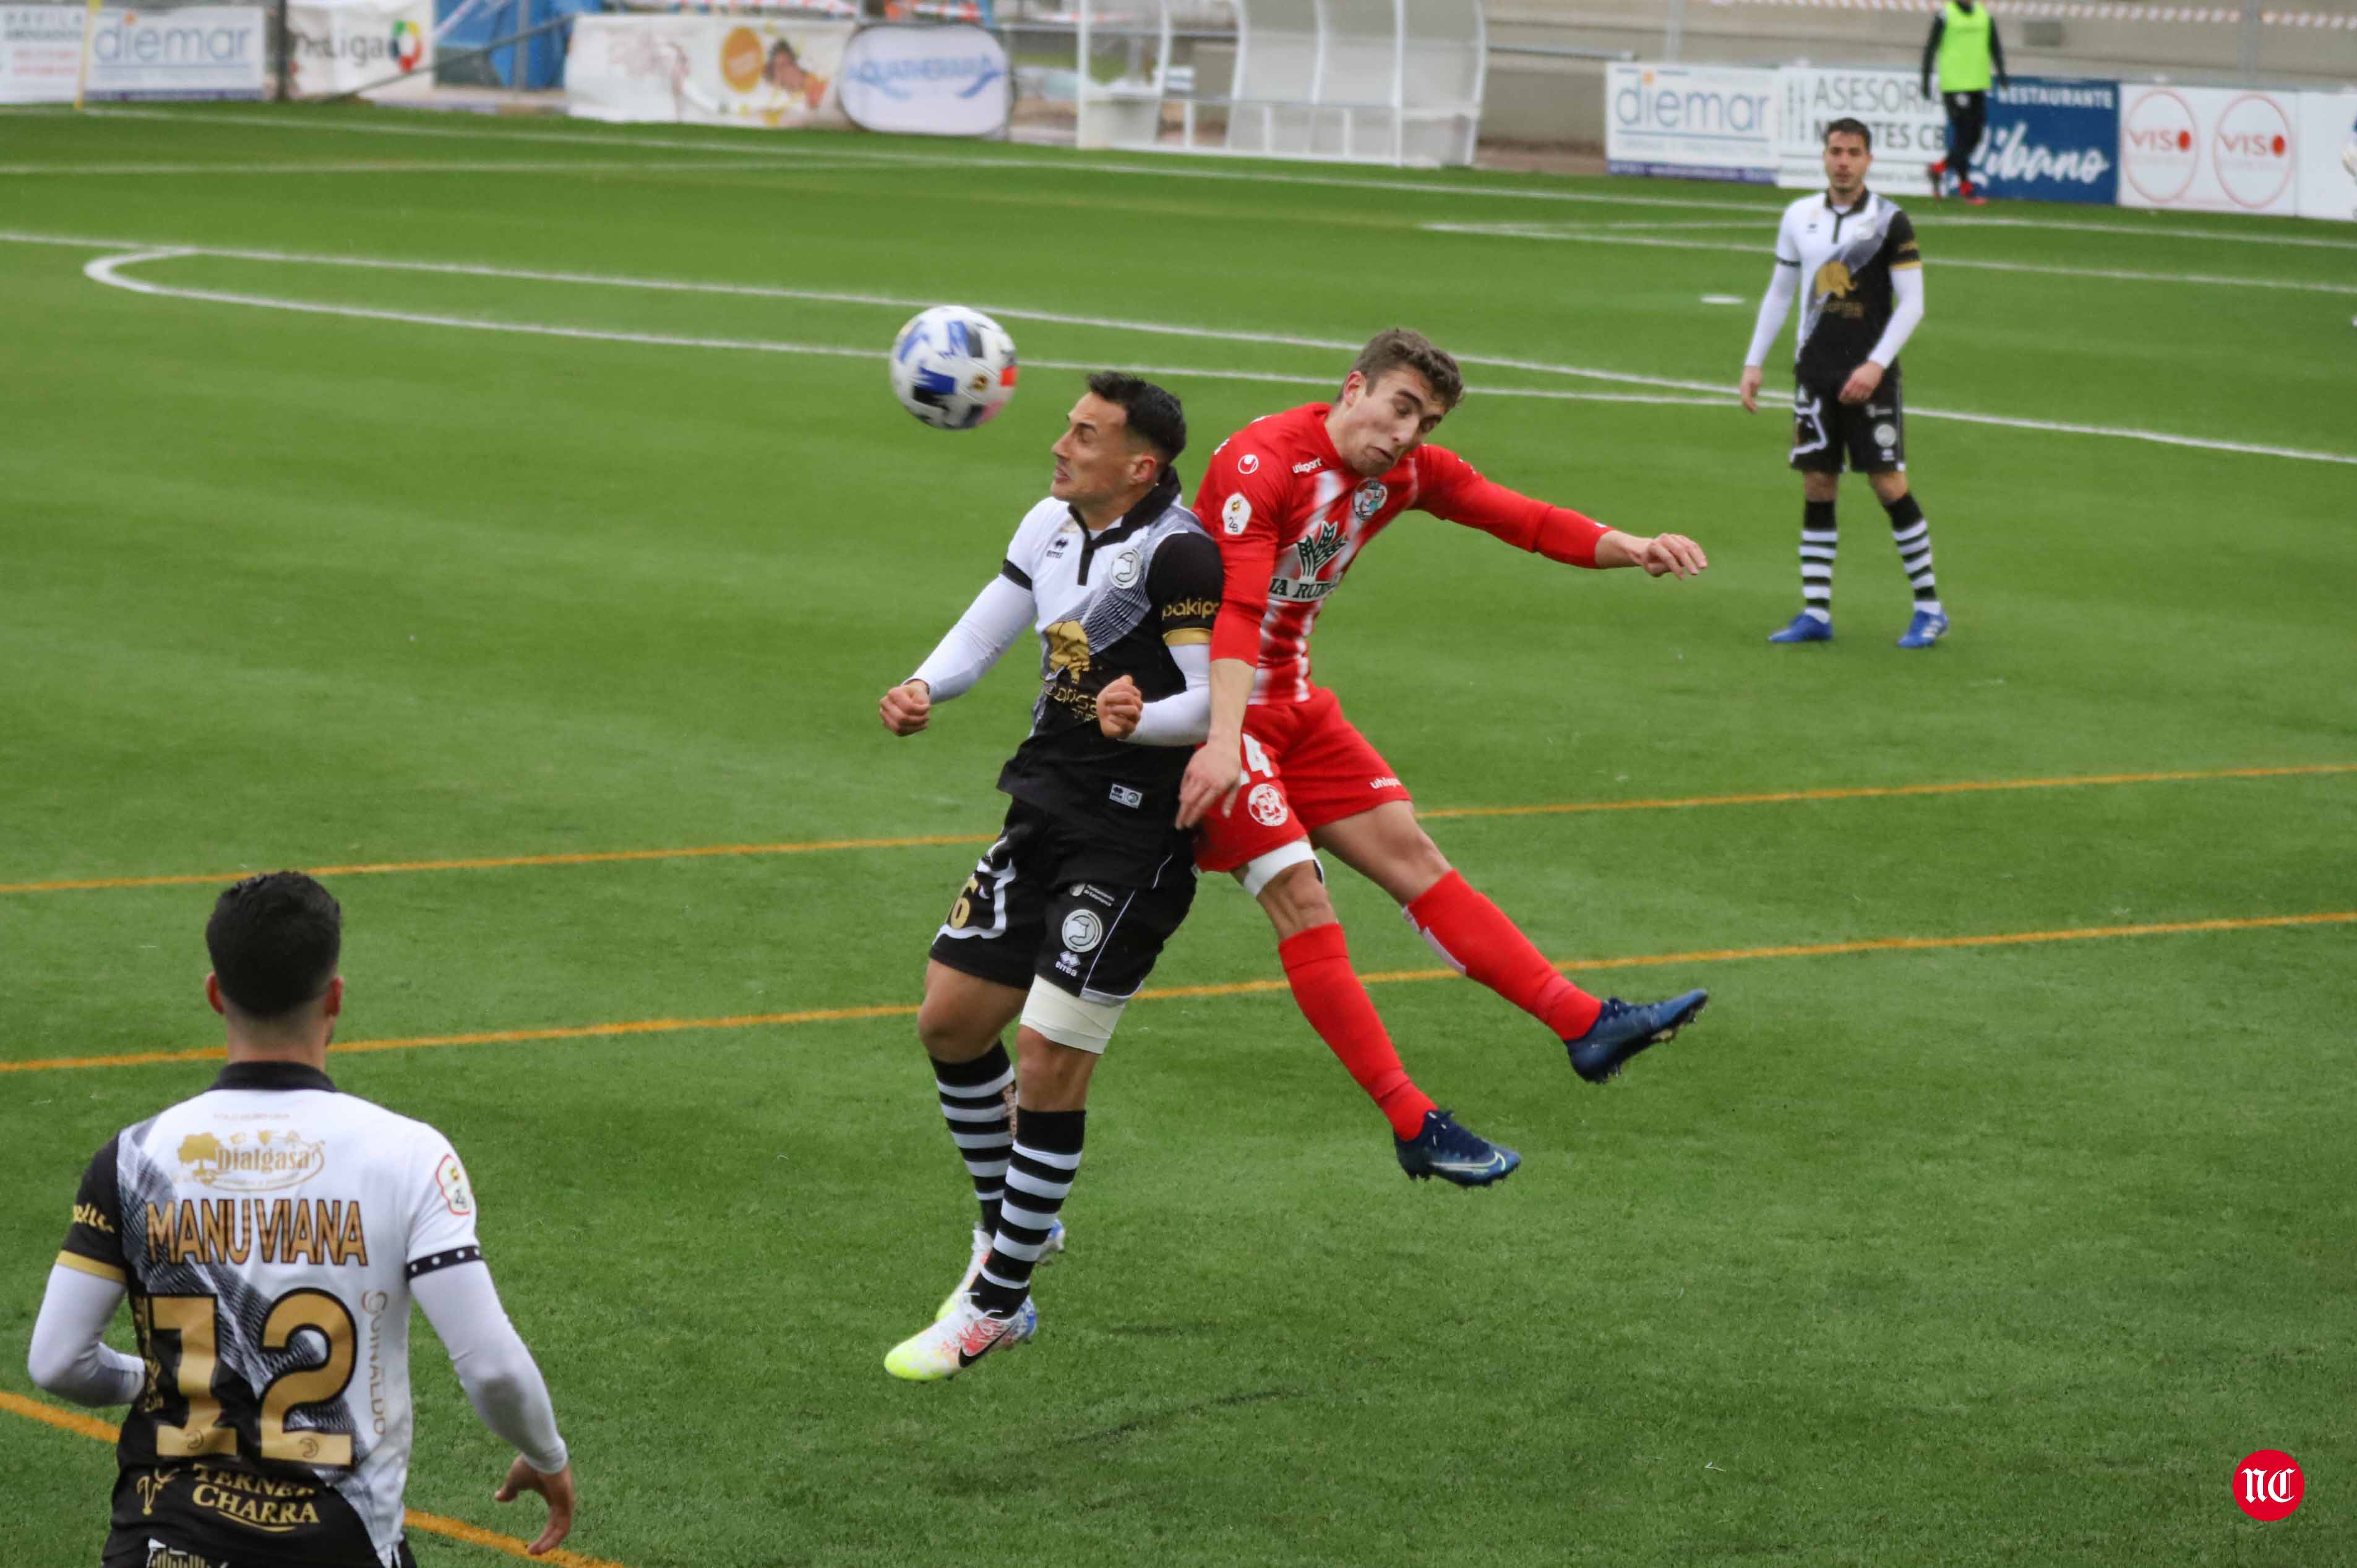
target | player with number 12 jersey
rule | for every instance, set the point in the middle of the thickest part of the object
(1292, 499)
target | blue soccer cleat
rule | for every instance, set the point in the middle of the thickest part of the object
(1620, 1031)
(1443, 1149)
(1924, 630)
(1804, 628)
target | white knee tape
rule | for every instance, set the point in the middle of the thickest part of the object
(1069, 1020)
(1258, 874)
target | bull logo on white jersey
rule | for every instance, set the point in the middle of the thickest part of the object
(1319, 547)
(258, 1162)
(1068, 650)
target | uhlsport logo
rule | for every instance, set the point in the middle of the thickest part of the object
(2253, 148)
(2268, 1485)
(250, 1162)
(2158, 146)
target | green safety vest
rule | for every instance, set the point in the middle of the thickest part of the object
(1964, 48)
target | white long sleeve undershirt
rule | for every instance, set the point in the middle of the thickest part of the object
(1906, 313)
(69, 1357)
(999, 614)
(1774, 305)
(502, 1382)
(1185, 717)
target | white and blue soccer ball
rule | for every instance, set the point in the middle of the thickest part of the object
(953, 366)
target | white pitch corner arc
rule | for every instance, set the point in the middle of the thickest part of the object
(109, 270)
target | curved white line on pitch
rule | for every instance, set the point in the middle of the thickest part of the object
(108, 270)
(105, 271)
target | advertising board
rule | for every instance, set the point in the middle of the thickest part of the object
(2051, 140)
(2214, 149)
(949, 81)
(705, 69)
(1691, 121)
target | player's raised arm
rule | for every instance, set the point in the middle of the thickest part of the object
(1001, 612)
(1455, 490)
(1184, 586)
(69, 1356)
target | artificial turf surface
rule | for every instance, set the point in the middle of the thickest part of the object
(1970, 1254)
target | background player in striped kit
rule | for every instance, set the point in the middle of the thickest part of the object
(1864, 282)
(1063, 918)
(1294, 498)
(271, 1233)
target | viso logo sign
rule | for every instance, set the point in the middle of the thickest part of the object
(2212, 149)
(2157, 137)
(926, 80)
(2252, 144)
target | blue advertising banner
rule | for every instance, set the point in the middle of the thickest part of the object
(2051, 140)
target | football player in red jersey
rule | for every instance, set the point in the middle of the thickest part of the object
(1292, 499)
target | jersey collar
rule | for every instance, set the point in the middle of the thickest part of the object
(1864, 199)
(272, 1075)
(1157, 500)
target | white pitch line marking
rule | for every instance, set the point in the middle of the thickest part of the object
(106, 271)
(1762, 211)
(423, 166)
(1587, 236)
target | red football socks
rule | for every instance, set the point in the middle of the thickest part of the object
(1326, 990)
(1475, 935)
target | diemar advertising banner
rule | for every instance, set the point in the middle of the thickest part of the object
(926, 81)
(208, 51)
(1910, 132)
(337, 46)
(1697, 122)
(2213, 149)
(2328, 156)
(705, 69)
(2051, 140)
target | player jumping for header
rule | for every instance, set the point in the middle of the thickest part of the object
(1292, 499)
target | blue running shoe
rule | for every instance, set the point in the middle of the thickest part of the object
(1620, 1031)
(1924, 630)
(1447, 1151)
(1804, 628)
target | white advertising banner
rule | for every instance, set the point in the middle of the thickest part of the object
(2217, 149)
(338, 46)
(926, 81)
(207, 52)
(1697, 122)
(707, 70)
(1910, 133)
(2328, 156)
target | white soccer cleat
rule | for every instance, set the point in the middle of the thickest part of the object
(981, 1251)
(952, 1343)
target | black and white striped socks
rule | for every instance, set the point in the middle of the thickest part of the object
(1912, 535)
(973, 1102)
(1047, 1157)
(1818, 540)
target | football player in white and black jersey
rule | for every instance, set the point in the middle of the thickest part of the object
(1063, 918)
(1852, 257)
(270, 1234)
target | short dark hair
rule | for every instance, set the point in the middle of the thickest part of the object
(1846, 125)
(1156, 416)
(1401, 349)
(275, 941)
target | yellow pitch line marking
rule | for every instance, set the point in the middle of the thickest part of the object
(1241, 988)
(1566, 808)
(433, 1524)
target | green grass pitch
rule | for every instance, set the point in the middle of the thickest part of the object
(1968, 1255)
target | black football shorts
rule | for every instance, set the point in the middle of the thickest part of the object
(1867, 437)
(1052, 900)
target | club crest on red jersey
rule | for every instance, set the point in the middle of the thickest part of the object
(1370, 498)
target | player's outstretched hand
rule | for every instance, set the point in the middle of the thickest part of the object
(556, 1488)
(906, 708)
(1213, 776)
(1862, 383)
(1671, 555)
(1747, 389)
(1119, 707)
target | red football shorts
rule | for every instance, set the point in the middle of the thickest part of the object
(1304, 766)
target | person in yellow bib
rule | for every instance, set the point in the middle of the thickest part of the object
(1963, 46)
